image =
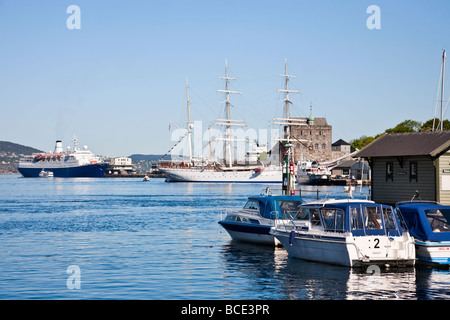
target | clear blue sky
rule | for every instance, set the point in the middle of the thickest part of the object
(119, 80)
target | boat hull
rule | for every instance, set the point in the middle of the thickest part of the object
(244, 232)
(216, 176)
(342, 250)
(433, 253)
(94, 170)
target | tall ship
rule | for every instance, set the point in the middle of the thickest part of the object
(63, 163)
(227, 170)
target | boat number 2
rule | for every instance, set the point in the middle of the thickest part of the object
(377, 242)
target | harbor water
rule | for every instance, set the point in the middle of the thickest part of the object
(123, 238)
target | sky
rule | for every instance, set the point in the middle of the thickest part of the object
(119, 80)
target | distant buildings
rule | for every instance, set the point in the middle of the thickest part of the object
(120, 166)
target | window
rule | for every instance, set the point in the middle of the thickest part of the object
(316, 146)
(252, 205)
(333, 220)
(315, 217)
(356, 219)
(323, 146)
(373, 218)
(303, 214)
(413, 171)
(389, 220)
(438, 219)
(389, 171)
(288, 208)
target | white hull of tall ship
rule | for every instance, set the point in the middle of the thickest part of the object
(271, 174)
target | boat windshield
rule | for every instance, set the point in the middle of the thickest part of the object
(252, 205)
(373, 220)
(288, 208)
(439, 219)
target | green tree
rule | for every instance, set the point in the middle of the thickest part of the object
(361, 142)
(405, 126)
(428, 125)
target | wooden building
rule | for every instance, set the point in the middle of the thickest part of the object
(405, 163)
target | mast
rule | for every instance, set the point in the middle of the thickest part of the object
(189, 124)
(286, 99)
(442, 89)
(228, 122)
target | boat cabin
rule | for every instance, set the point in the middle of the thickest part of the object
(273, 207)
(427, 221)
(358, 217)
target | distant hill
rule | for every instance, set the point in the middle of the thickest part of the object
(10, 147)
(10, 153)
(148, 157)
(144, 163)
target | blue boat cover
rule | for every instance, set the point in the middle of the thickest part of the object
(415, 216)
(269, 204)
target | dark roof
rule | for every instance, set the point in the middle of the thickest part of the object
(340, 142)
(429, 143)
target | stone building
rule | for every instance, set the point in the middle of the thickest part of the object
(312, 141)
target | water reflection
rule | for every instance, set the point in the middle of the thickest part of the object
(382, 284)
(269, 273)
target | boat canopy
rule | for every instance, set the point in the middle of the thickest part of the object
(358, 217)
(426, 221)
(276, 207)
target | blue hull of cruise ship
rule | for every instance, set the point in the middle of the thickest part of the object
(87, 171)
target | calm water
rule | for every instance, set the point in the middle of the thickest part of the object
(129, 239)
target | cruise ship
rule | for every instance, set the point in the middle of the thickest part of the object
(63, 163)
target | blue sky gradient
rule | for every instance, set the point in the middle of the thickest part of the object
(119, 80)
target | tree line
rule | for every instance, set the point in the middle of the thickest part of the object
(402, 127)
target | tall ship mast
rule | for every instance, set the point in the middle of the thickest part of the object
(254, 172)
(287, 121)
(189, 123)
(228, 122)
(287, 149)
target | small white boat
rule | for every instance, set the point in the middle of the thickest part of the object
(253, 222)
(429, 224)
(352, 233)
(46, 174)
(146, 178)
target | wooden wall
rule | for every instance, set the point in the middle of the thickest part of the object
(401, 187)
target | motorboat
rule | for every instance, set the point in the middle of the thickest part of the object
(429, 224)
(348, 232)
(253, 222)
(46, 174)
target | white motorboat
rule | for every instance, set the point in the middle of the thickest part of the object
(253, 222)
(352, 233)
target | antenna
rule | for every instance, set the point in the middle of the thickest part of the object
(442, 89)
